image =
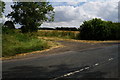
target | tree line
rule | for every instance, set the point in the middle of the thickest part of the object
(60, 28)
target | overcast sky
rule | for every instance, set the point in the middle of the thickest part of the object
(72, 13)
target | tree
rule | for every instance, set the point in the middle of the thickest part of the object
(116, 30)
(31, 14)
(2, 7)
(96, 29)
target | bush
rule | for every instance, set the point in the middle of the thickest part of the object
(96, 29)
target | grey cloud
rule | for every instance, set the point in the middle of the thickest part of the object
(74, 16)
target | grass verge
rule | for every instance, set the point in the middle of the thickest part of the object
(17, 43)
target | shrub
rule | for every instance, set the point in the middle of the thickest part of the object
(96, 29)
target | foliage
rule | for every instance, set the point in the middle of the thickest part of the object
(116, 31)
(31, 14)
(60, 28)
(96, 29)
(15, 43)
(9, 24)
(6, 30)
(2, 7)
(46, 28)
(67, 28)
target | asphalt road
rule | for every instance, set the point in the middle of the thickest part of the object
(96, 62)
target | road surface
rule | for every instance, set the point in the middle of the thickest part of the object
(76, 60)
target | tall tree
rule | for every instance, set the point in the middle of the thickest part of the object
(31, 14)
(2, 7)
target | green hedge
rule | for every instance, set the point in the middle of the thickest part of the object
(97, 29)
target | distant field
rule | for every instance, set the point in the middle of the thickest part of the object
(58, 33)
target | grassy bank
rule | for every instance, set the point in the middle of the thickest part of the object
(57, 33)
(14, 43)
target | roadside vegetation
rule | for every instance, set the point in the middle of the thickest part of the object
(14, 42)
(30, 15)
(97, 29)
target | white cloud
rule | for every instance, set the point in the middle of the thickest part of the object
(67, 0)
(82, 0)
(102, 0)
(6, 11)
(74, 16)
(105, 10)
(7, 0)
(8, 8)
(62, 0)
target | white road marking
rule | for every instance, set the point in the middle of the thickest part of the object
(80, 70)
(96, 64)
(110, 59)
(71, 73)
(77, 71)
(87, 67)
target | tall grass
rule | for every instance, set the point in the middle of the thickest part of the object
(15, 43)
(57, 33)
